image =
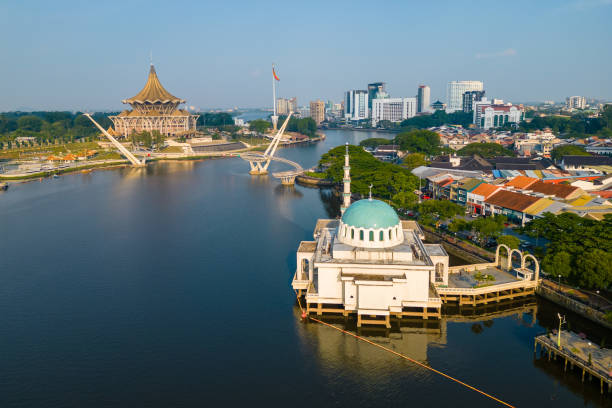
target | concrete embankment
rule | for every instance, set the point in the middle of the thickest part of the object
(314, 181)
(582, 309)
(470, 253)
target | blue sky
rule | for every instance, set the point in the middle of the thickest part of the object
(84, 55)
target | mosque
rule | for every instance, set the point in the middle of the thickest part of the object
(372, 264)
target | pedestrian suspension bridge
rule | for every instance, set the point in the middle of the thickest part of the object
(259, 162)
(129, 155)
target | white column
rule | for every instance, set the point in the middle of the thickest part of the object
(346, 195)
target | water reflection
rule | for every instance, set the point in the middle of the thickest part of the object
(331, 202)
(414, 338)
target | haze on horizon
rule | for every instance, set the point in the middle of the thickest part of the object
(71, 55)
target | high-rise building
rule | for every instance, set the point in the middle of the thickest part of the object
(455, 91)
(393, 109)
(575, 102)
(317, 111)
(423, 98)
(376, 90)
(488, 115)
(284, 106)
(469, 98)
(356, 105)
(292, 105)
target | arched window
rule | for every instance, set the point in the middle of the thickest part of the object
(389, 235)
(361, 235)
(381, 236)
(352, 233)
(371, 236)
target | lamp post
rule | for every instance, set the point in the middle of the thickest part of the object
(559, 283)
(561, 321)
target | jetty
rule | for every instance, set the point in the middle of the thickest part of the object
(578, 352)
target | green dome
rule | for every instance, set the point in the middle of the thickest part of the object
(370, 214)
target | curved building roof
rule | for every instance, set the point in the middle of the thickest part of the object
(370, 214)
(153, 92)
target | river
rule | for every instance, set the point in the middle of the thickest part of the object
(169, 286)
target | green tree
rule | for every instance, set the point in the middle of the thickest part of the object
(485, 150)
(459, 224)
(489, 227)
(568, 150)
(414, 160)
(259, 125)
(405, 199)
(387, 179)
(509, 240)
(31, 123)
(373, 142)
(420, 141)
(439, 209)
(606, 116)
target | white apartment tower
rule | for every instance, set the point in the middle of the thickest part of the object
(575, 102)
(455, 91)
(423, 99)
(356, 105)
(393, 109)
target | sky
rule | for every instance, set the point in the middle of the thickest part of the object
(89, 55)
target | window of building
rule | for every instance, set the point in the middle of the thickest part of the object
(371, 235)
(361, 235)
(352, 233)
(439, 272)
(381, 236)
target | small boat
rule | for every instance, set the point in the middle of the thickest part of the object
(56, 176)
(85, 171)
(3, 186)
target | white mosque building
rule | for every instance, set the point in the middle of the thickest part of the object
(370, 263)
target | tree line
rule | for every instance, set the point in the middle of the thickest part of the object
(579, 249)
(48, 126)
(389, 181)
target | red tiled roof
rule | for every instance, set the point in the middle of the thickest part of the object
(511, 200)
(557, 190)
(521, 182)
(486, 190)
(604, 193)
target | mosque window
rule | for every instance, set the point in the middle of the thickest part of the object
(352, 233)
(381, 236)
(371, 236)
(390, 235)
(361, 235)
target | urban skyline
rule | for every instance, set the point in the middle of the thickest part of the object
(66, 57)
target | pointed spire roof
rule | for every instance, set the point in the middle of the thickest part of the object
(153, 92)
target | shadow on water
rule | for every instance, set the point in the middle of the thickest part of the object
(331, 202)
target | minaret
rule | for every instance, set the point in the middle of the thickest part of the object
(346, 195)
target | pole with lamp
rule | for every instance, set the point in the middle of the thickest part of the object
(561, 322)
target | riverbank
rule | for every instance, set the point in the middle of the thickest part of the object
(364, 129)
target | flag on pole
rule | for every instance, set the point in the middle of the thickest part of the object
(274, 74)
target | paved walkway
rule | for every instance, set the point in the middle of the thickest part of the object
(467, 280)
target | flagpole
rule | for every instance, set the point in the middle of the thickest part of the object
(274, 117)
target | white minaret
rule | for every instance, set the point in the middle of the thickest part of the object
(346, 195)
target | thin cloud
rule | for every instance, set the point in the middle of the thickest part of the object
(509, 52)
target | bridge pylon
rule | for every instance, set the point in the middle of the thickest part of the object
(257, 168)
